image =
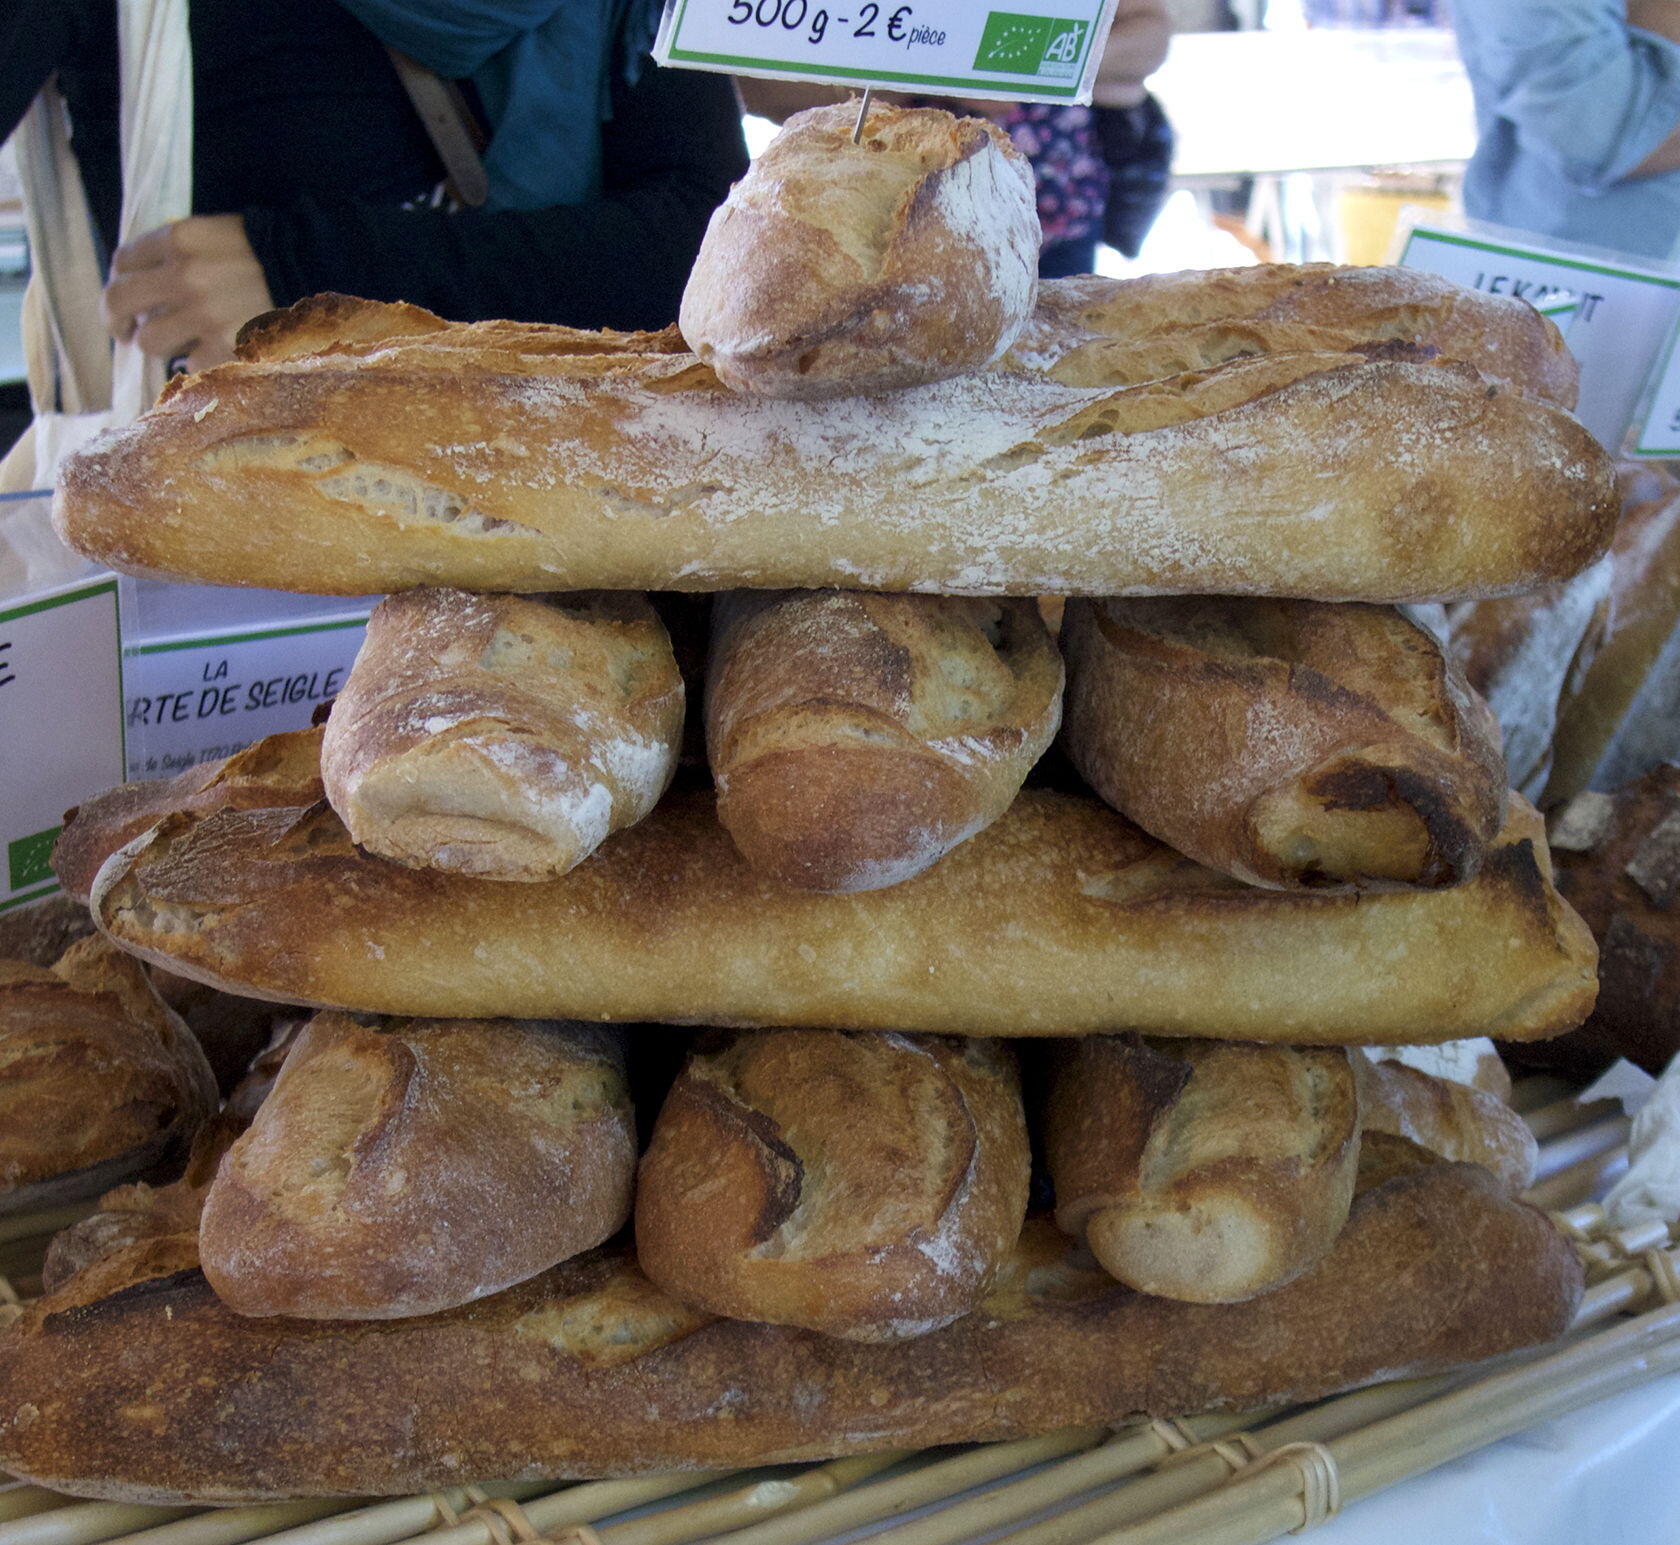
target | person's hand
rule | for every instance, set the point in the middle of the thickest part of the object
(184, 290)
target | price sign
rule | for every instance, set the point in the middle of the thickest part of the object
(1613, 315)
(1659, 432)
(60, 722)
(1026, 50)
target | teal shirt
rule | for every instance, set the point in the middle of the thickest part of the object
(1569, 100)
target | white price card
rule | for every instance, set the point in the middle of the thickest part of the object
(1659, 429)
(61, 723)
(197, 699)
(1613, 315)
(1018, 50)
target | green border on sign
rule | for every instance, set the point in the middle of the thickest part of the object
(1452, 239)
(96, 587)
(221, 641)
(1663, 362)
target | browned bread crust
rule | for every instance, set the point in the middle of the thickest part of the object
(1452, 1121)
(1376, 479)
(155, 1391)
(410, 1166)
(503, 735)
(99, 1082)
(279, 770)
(1058, 919)
(838, 266)
(864, 1186)
(1288, 743)
(1203, 1171)
(856, 738)
(1090, 331)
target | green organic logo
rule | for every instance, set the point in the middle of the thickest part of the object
(1032, 45)
(29, 859)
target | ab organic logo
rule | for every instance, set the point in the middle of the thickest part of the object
(1032, 45)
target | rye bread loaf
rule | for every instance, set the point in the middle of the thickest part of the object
(99, 1082)
(863, 1186)
(1091, 331)
(1292, 744)
(855, 738)
(405, 1167)
(503, 735)
(839, 265)
(617, 465)
(1059, 919)
(1208, 1172)
(154, 1391)
(1452, 1121)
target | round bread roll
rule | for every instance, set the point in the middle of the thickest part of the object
(838, 268)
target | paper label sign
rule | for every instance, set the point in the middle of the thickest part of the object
(195, 700)
(1613, 316)
(1659, 431)
(1025, 50)
(60, 722)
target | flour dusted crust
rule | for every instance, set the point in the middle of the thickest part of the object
(836, 268)
(1058, 919)
(120, 1385)
(864, 1186)
(406, 1167)
(856, 738)
(498, 461)
(501, 735)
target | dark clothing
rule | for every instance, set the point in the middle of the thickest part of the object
(302, 127)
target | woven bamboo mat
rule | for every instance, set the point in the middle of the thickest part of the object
(1215, 1480)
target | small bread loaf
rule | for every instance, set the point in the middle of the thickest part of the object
(1451, 1120)
(503, 735)
(619, 465)
(1292, 744)
(863, 1186)
(1058, 919)
(837, 267)
(99, 1082)
(1474, 1062)
(398, 1169)
(1618, 859)
(1203, 1171)
(280, 770)
(856, 738)
(1090, 331)
(113, 1390)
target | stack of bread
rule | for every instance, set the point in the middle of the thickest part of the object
(1018, 1107)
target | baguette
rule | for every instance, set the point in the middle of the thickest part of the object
(1451, 1120)
(99, 1082)
(1058, 919)
(1291, 744)
(1089, 331)
(857, 738)
(1204, 1172)
(154, 1391)
(404, 1168)
(866, 257)
(503, 736)
(863, 1186)
(1321, 474)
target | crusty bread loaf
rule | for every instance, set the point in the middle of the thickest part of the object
(1619, 862)
(402, 1168)
(1289, 743)
(1090, 331)
(838, 267)
(99, 1082)
(120, 1388)
(1619, 713)
(505, 735)
(863, 1186)
(1203, 1171)
(1322, 474)
(280, 770)
(856, 738)
(1058, 919)
(39, 932)
(1452, 1120)
(1474, 1062)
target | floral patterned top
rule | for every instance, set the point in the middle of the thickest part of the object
(1073, 180)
